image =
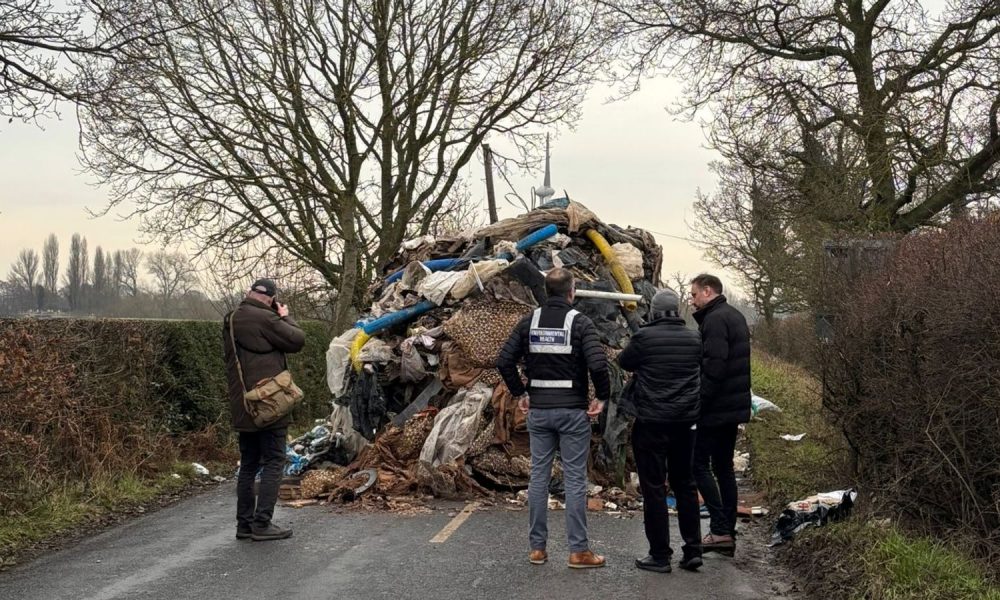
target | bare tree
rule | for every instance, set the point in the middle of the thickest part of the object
(76, 271)
(916, 97)
(745, 228)
(117, 273)
(24, 272)
(50, 264)
(173, 275)
(131, 260)
(41, 44)
(328, 129)
(101, 275)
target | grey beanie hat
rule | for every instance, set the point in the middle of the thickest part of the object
(665, 302)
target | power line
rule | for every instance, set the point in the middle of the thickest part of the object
(677, 237)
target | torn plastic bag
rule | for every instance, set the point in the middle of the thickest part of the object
(611, 455)
(573, 256)
(456, 426)
(376, 351)
(413, 275)
(759, 405)
(411, 368)
(345, 437)
(815, 511)
(435, 287)
(367, 402)
(338, 361)
(476, 277)
(631, 259)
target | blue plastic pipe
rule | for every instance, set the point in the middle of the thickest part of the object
(443, 264)
(400, 316)
(438, 264)
(531, 239)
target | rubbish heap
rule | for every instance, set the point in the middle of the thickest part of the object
(417, 396)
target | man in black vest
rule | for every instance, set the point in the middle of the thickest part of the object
(725, 403)
(664, 399)
(560, 347)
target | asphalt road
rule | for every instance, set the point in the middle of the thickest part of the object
(189, 551)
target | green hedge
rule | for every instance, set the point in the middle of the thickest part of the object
(191, 378)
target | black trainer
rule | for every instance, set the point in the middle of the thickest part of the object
(691, 563)
(651, 564)
(243, 532)
(270, 532)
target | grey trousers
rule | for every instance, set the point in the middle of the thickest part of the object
(566, 430)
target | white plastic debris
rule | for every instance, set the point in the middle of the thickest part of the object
(759, 405)
(200, 469)
(793, 438)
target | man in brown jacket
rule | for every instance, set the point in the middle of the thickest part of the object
(263, 333)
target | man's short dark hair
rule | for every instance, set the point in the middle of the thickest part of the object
(708, 281)
(559, 282)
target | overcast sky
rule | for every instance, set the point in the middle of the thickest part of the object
(629, 161)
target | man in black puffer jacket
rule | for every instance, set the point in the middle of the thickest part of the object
(725, 403)
(664, 397)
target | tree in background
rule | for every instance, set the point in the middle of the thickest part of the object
(328, 130)
(130, 262)
(173, 276)
(101, 280)
(50, 265)
(744, 228)
(76, 271)
(25, 272)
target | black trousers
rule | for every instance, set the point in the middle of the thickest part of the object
(664, 452)
(259, 449)
(713, 469)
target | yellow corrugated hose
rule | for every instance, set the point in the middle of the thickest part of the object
(617, 270)
(356, 346)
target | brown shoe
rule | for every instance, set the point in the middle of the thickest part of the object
(585, 560)
(538, 557)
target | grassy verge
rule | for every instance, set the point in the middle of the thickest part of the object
(863, 558)
(64, 508)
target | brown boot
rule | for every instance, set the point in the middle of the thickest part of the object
(585, 560)
(538, 557)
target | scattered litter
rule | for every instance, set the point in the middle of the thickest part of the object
(793, 438)
(741, 462)
(218, 479)
(759, 405)
(200, 469)
(814, 511)
(176, 476)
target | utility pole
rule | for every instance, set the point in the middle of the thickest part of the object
(491, 199)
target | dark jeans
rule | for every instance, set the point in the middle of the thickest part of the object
(713, 469)
(664, 452)
(259, 449)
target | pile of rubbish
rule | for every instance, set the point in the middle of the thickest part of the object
(814, 511)
(417, 396)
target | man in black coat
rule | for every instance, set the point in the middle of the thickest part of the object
(725, 403)
(664, 397)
